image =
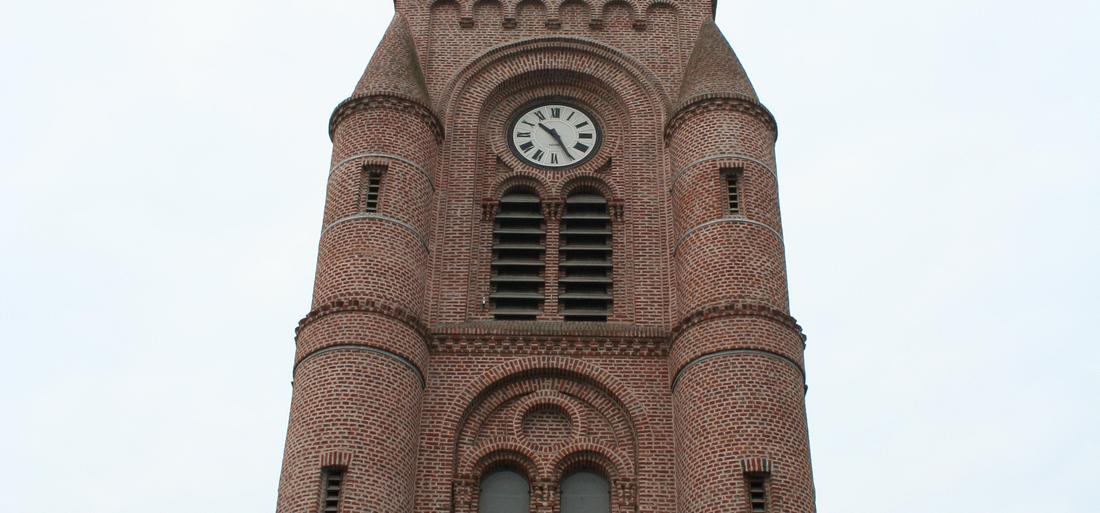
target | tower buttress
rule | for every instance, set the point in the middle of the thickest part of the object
(362, 359)
(736, 354)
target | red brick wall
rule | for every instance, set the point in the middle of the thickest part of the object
(403, 378)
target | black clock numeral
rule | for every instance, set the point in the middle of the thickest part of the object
(541, 116)
(585, 136)
(582, 124)
(538, 155)
(523, 134)
(526, 147)
(555, 112)
(571, 114)
(553, 158)
(527, 123)
(581, 146)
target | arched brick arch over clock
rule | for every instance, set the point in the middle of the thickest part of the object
(551, 274)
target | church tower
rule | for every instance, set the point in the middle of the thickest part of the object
(551, 274)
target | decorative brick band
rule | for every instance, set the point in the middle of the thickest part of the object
(735, 309)
(736, 220)
(639, 72)
(381, 217)
(756, 466)
(548, 338)
(363, 306)
(388, 101)
(725, 156)
(366, 349)
(735, 352)
(385, 156)
(720, 101)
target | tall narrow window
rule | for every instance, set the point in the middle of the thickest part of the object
(585, 259)
(504, 491)
(585, 492)
(518, 258)
(758, 495)
(332, 481)
(370, 188)
(733, 183)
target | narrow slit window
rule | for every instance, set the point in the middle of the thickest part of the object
(758, 494)
(584, 291)
(518, 265)
(332, 481)
(733, 190)
(371, 187)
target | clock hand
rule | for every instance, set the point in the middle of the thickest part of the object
(554, 133)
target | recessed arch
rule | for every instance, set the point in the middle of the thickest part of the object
(589, 184)
(501, 454)
(565, 50)
(531, 182)
(592, 455)
(551, 364)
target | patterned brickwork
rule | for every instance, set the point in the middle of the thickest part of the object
(402, 378)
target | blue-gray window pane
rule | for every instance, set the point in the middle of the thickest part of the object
(504, 491)
(585, 492)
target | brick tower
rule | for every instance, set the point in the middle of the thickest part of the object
(551, 274)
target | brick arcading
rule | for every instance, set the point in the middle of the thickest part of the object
(718, 101)
(736, 309)
(357, 103)
(571, 339)
(404, 381)
(361, 305)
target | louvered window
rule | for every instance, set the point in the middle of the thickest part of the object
(333, 482)
(733, 179)
(370, 188)
(585, 259)
(758, 496)
(518, 258)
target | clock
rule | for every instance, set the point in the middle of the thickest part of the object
(554, 136)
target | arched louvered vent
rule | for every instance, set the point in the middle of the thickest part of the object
(518, 258)
(585, 291)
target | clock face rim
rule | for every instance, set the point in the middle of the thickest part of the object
(519, 113)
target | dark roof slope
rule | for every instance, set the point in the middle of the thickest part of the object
(714, 70)
(395, 69)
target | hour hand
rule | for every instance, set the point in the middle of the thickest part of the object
(554, 133)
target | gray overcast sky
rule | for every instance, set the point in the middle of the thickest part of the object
(162, 174)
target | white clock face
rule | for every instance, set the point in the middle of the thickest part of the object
(554, 136)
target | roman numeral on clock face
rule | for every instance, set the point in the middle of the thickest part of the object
(541, 116)
(585, 136)
(553, 158)
(528, 134)
(526, 147)
(538, 155)
(555, 112)
(581, 146)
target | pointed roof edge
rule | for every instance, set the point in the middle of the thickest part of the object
(713, 70)
(395, 70)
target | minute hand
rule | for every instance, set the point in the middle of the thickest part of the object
(554, 133)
